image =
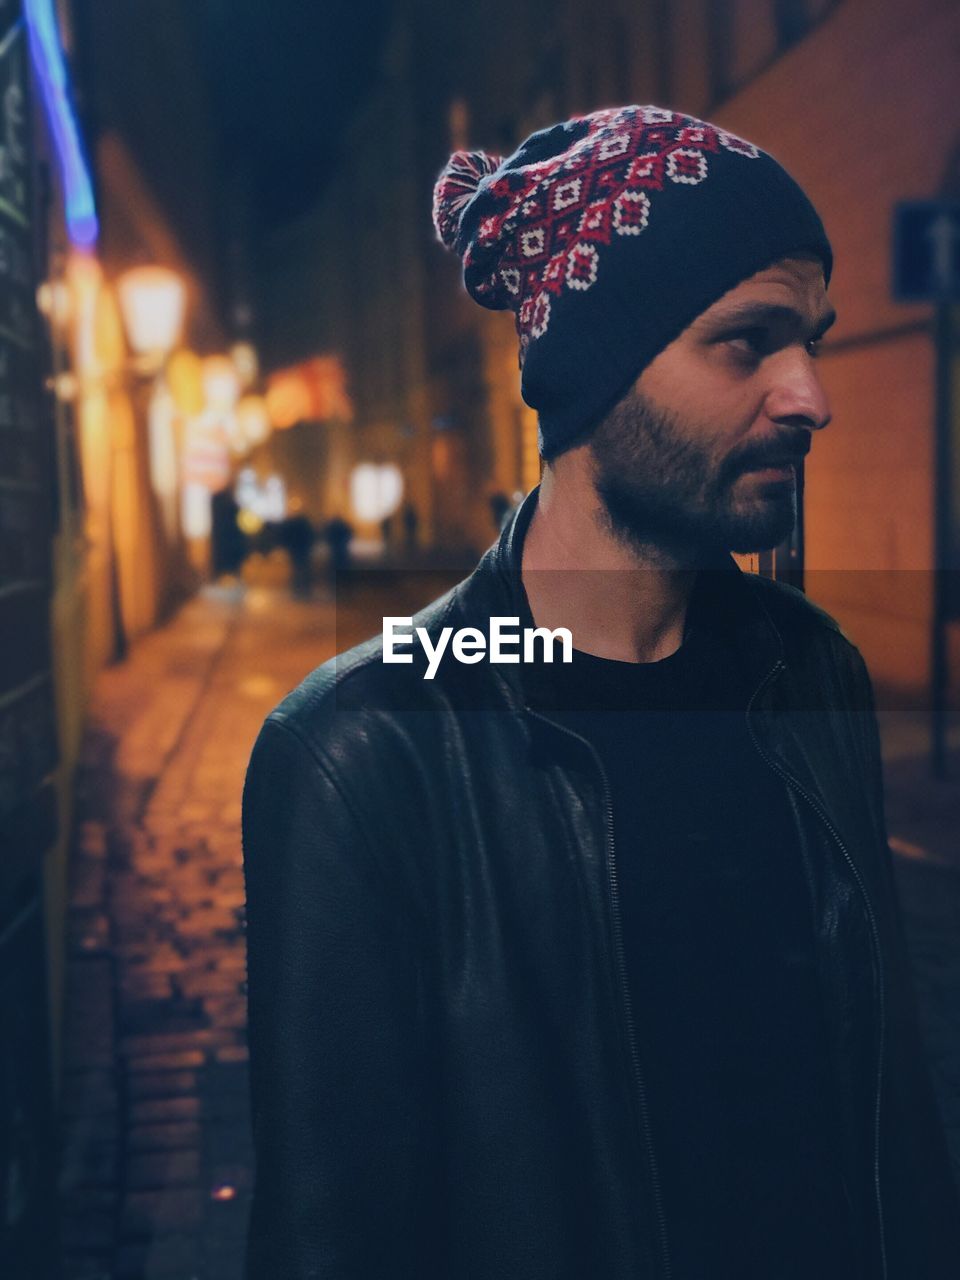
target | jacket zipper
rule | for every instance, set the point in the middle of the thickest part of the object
(626, 1003)
(875, 936)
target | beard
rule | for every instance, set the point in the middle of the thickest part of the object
(662, 487)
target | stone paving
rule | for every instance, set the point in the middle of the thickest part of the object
(156, 1163)
(156, 1155)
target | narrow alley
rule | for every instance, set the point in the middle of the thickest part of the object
(291, 290)
(157, 1163)
(156, 1166)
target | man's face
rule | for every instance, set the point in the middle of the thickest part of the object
(702, 452)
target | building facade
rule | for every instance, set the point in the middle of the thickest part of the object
(854, 96)
(89, 554)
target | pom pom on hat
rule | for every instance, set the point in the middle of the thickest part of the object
(456, 187)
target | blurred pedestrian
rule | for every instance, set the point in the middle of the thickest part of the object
(297, 536)
(411, 522)
(229, 546)
(338, 534)
(386, 533)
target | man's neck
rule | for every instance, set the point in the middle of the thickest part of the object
(619, 601)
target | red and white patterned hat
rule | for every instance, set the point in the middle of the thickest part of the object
(606, 236)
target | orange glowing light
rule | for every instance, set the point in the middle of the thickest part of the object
(249, 522)
(185, 380)
(84, 273)
(330, 388)
(253, 418)
(288, 400)
(313, 391)
(440, 451)
(95, 447)
(99, 345)
(64, 386)
(55, 301)
(107, 349)
(162, 441)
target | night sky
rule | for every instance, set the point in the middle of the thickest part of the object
(283, 77)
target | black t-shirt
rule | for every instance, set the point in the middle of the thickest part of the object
(718, 940)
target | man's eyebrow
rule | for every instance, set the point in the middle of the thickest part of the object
(760, 313)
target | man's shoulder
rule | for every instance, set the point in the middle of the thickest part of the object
(811, 635)
(352, 697)
(791, 607)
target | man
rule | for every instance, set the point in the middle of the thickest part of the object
(595, 969)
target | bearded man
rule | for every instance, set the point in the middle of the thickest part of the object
(595, 969)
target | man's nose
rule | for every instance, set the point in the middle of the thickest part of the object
(797, 397)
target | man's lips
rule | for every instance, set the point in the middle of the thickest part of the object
(781, 465)
(785, 462)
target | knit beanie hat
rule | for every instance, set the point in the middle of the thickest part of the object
(607, 236)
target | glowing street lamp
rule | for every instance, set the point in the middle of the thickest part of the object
(375, 491)
(54, 301)
(153, 302)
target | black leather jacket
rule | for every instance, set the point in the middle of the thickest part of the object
(444, 1066)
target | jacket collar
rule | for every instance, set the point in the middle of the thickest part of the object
(733, 600)
(723, 595)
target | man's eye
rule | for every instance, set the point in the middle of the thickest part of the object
(752, 342)
(814, 347)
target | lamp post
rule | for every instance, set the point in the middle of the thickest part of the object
(153, 304)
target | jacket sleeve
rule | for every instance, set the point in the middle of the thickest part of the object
(339, 1076)
(921, 1204)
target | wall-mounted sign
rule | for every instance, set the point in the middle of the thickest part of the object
(206, 451)
(313, 391)
(81, 213)
(926, 251)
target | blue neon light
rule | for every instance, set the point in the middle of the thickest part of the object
(51, 70)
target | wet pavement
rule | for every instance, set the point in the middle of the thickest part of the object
(157, 1160)
(156, 1154)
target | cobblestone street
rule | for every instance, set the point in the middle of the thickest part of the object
(157, 1164)
(156, 1167)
